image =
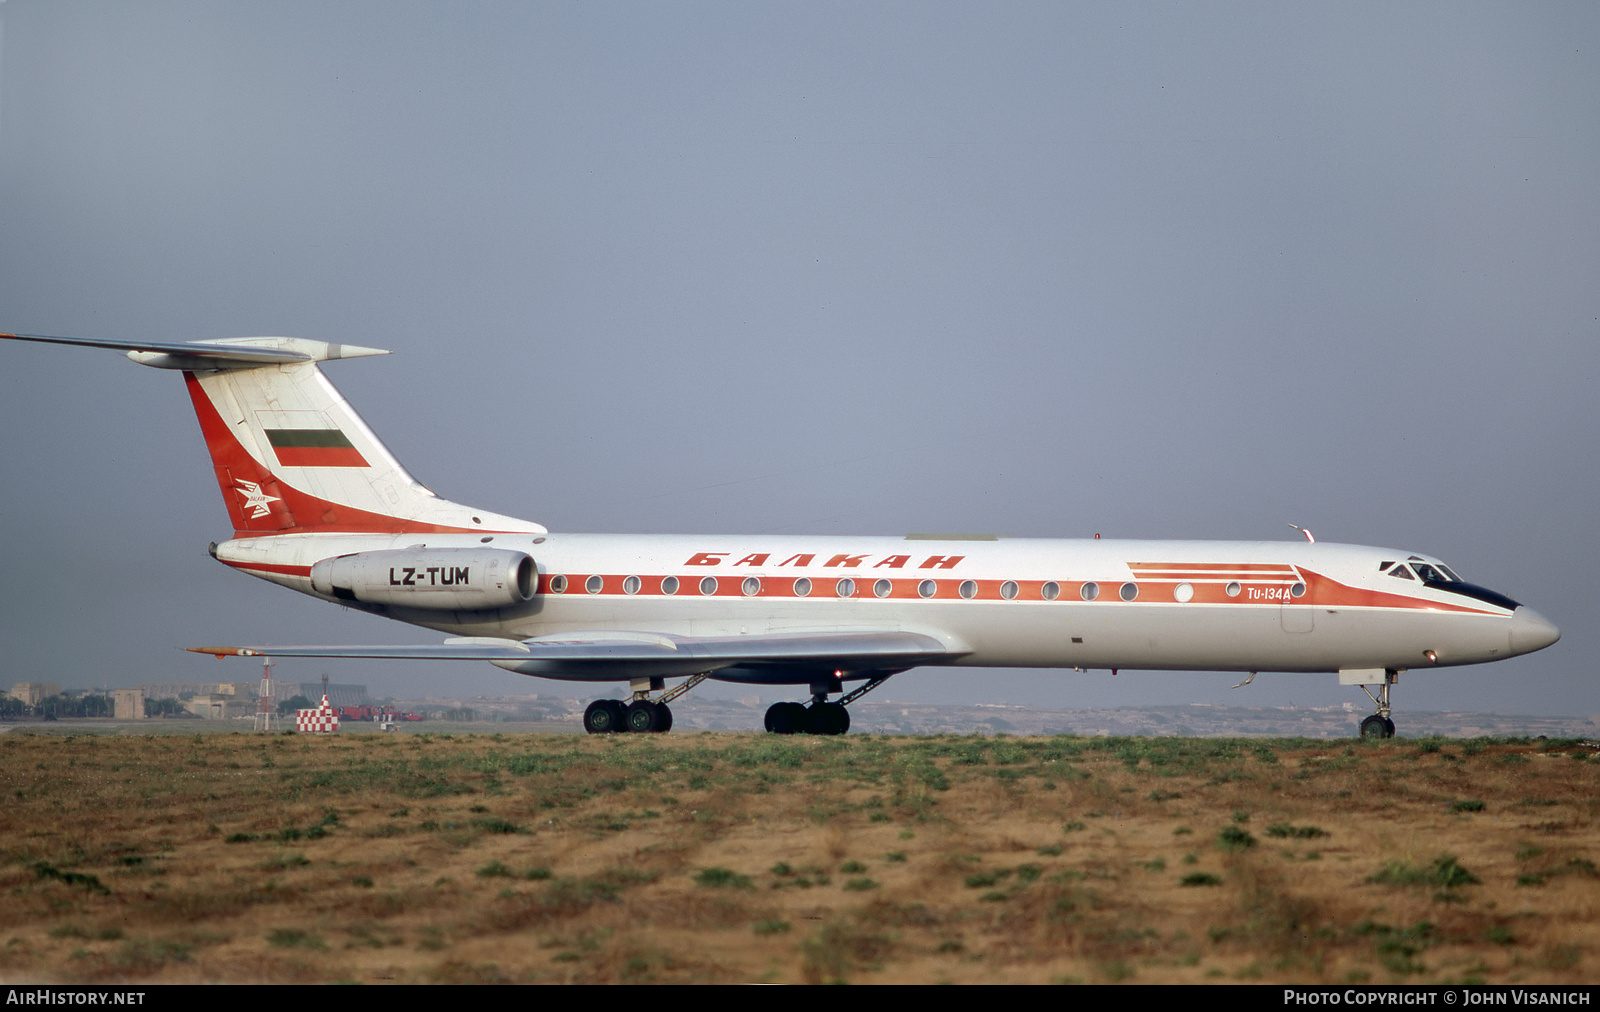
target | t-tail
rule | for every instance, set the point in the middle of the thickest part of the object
(290, 454)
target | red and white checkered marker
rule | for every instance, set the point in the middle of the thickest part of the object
(322, 720)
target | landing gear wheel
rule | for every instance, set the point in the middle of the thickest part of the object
(663, 718)
(786, 718)
(643, 716)
(828, 718)
(1376, 726)
(604, 716)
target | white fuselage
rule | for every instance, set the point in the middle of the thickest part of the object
(1195, 605)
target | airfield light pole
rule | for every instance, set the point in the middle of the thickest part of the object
(264, 707)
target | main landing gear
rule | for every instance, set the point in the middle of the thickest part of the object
(1379, 725)
(640, 715)
(821, 717)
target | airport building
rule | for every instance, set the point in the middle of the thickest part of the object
(31, 693)
(127, 704)
(229, 699)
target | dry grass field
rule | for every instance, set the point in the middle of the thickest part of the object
(735, 857)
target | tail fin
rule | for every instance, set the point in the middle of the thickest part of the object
(290, 454)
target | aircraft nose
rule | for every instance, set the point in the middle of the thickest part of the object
(1531, 631)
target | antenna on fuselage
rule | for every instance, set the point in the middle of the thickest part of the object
(1307, 533)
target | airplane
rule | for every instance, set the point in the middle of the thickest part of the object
(320, 506)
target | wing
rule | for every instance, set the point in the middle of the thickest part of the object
(609, 656)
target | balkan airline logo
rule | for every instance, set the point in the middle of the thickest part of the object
(255, 500)
(807, 558)
(314, 448)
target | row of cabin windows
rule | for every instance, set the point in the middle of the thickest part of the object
(750, 586)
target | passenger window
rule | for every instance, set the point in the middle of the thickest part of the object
(669, 585)
(969, 589)
(1050, 591)
(1008, 590)
(802, 587)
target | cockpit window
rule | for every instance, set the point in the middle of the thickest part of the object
(1428, 572)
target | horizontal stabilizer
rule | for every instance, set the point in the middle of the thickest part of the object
(225, 353)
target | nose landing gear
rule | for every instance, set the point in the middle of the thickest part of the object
(1380, 725)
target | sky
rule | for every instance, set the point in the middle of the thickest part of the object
(1145, 270)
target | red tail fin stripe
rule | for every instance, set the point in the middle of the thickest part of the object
(261, 503)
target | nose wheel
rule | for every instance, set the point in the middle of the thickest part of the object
(1376, 726)
(1379, 725)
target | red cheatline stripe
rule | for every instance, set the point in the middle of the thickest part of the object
(1321, 593)
(1273, 578)
(1202, 567)
(270, 567)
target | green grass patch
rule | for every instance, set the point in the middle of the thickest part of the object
(45, 870)
(723, 878)
(1444, 873)
(1235, 839)
(294, 938)
(1284, 831)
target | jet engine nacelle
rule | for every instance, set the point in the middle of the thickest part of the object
(447, 579)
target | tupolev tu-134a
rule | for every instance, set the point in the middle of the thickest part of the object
(320, 506)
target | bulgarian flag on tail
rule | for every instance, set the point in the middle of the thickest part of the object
(314, 448)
